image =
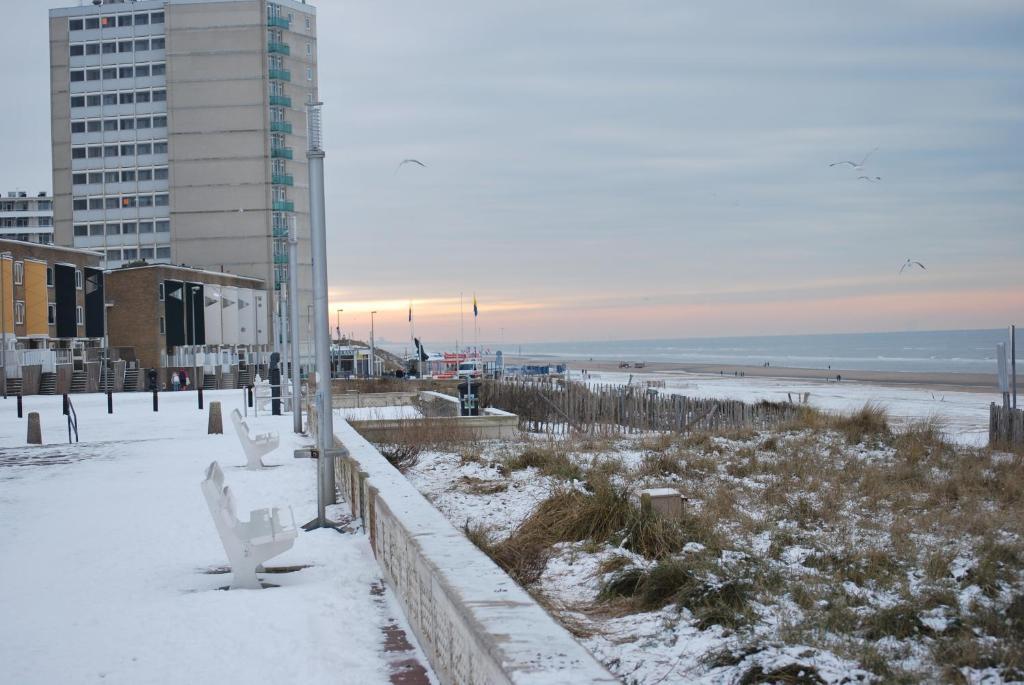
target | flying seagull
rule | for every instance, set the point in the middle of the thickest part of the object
(870, 179)
(856, 165)
(409, 161)
(911, 264)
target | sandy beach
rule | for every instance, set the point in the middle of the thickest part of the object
(963, 382)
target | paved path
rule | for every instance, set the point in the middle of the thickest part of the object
(110, 567)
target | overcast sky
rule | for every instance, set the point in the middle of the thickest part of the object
(603, 170)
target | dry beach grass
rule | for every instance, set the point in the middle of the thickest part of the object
(895, 552)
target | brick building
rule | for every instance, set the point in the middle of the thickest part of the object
(51, 314)
(209, 323)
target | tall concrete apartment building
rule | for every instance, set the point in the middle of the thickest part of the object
(179, 133)
(27, 217)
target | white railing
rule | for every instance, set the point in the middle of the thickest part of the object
(16, 359)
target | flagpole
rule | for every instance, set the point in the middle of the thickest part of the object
(462, 326)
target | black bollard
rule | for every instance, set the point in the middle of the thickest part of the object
(275, 384)
(156, 401)
(19, 406)
(200, 388)
(65, 404)
(249, 393)
(110, 401)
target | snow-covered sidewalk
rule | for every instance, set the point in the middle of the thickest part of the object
(108, 548)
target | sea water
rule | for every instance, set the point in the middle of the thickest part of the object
(970, 351)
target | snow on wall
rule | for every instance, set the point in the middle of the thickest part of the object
(474, 622)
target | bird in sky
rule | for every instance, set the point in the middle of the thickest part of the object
(856, 165)
(870, 179)
(409, 161)
(911, 264)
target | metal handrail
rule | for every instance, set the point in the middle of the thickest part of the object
(72, 421)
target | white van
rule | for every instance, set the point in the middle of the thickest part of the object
(471, 369)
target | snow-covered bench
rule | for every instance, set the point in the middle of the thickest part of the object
(247, 543)
(255, 446)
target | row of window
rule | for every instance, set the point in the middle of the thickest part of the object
(113, 47)
(23, 206)
(123, 98)
(121, 202)
(122, 228)
(51, 313)
(23, 222)
(108, 22)
(116, 72)
(119, 176)
(129, 254)
(126, 150)
(126, 124)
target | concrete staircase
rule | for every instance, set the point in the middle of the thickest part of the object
(245, 377)
(79, 381)
(106, 381)
(209, 381)
(13, 386)
(131, 380)
(48, 384)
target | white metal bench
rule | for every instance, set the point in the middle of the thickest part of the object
(247, 543)
(255, 446)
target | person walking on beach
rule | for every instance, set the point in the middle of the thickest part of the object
(175, 381)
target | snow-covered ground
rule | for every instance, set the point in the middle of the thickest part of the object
(964, 415)
(108, 546)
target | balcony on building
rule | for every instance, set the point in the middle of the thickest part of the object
(279, 48)
(284, 206)
(283, 179)
(281, 126)
(281, 152)
(280, 258)
(280, 101)
(279, 22)
(280, 75)
(280, 232)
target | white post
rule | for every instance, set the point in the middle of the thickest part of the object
(373, 350)
(318, 232)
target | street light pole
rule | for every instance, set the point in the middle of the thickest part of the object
(3, 321)
(293, 325)
(193, 289)
(373, 350)
(318, 234)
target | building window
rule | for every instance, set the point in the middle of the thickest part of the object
(130, 253)
(163, 226)
(77, 50)
(309, 49)
(74, 25)
(51, 314)
(49, 275)
(163, 253)
(124, 20)
(308, 24)
(78, 101)
(141, 19)
(77, 75)
(96, 230)
(92, 23)
(146, 253)
(128, 228)
(78, 279)
(19, 273)
(309, 73)
(79, 319)
(163, 326)
(81, 230)
(19, 312)
(157, 44)
(142, 70)
(160, 291)
(114, 255)
(156, 18)
(145, 227)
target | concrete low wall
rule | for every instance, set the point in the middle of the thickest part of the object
(459, 427)
(475, 624)
(350, 400)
